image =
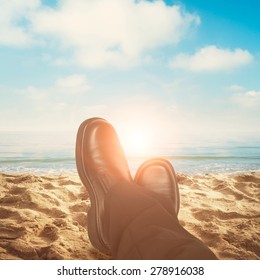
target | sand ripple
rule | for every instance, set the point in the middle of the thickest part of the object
(45, 217)
(223, 211)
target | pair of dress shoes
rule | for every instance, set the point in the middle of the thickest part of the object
(101, 163)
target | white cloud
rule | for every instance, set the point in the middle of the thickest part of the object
(53, 106)
(113, 32)
(34, 93)
(73, 84)
(99, 33)
(14, 16)
(212, 58)
(247, 99)
(236, 88)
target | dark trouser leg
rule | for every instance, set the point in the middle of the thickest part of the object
(139, 227)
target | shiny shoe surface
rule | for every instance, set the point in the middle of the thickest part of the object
(158, 176)
(100, 162)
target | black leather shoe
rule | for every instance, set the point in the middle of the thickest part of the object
(100, 162)
(157, 175)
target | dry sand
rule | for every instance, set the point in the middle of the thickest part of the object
(45, 217)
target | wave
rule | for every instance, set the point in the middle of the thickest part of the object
(169, 157)
(196, 157)
(182, 164)
(213, 157)
(36, 160)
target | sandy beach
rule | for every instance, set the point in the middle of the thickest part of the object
(45, 217)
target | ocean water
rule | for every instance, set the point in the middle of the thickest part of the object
(54, 153)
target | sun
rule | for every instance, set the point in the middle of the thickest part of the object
(136, 141)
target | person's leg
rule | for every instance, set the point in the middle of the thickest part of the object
(139, 227)
(124, 219)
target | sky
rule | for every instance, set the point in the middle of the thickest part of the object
(163, 71)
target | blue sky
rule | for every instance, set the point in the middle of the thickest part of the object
(174, 69)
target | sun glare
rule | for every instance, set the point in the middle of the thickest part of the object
(137, 142)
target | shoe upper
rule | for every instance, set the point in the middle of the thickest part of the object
(101, 163)
(158, 176)
(100, 150)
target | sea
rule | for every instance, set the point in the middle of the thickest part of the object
(54, 153)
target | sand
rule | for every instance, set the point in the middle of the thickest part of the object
(45, 217)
